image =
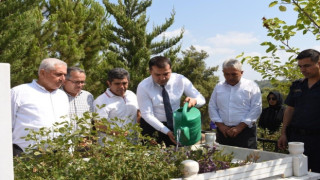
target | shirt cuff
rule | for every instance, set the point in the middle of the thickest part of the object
(165, 130)
(249, 123)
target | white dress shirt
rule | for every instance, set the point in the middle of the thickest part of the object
(150, 99)
(34, 107)
(124, 108)
(232, 105)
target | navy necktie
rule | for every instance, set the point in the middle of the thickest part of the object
(167, 108)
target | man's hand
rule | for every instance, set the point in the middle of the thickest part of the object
(223, 128)
(100, 126)
(171, 136)
(282, 142)
(192, 101)
(235, 131)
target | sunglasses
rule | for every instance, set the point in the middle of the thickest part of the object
(273, 99)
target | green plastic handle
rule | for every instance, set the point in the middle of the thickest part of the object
(184, 111)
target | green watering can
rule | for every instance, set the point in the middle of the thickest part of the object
(187, 121)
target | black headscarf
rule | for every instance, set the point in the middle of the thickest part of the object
(272, 116)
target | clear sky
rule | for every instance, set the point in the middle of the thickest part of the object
(224, 28)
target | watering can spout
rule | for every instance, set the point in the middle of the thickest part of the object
(188, 122)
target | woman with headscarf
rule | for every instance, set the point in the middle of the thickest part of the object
(271, 117)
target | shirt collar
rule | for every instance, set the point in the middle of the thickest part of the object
(36, 84)
(69, 95)
(238, 84)
(158, 85)
(110, 94)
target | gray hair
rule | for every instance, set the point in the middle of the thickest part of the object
(73, 69)
(232, 63)
(50, 63)
(118, 73)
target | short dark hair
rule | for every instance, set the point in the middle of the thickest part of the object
(159, 61)
(309, 53)
(118, 73)
(73, 69)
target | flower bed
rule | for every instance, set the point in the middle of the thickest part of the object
(269, 165)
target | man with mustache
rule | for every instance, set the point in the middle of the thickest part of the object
(234, 106)
(38, 104)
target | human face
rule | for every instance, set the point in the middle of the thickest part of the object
(272, 99)
(52, 79)
(309, 68)
(232, 75)
(161, 75)
(75, 83)
(118, 86)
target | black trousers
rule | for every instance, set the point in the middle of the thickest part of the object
(16, 150)
(246, 139)
(311, 147)
(148, 130)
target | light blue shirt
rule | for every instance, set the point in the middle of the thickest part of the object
(232, 105)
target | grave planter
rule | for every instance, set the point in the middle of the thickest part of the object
(270, 165)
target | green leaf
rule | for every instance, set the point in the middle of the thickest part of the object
(282, 8)
(37, 153)
(273, 3)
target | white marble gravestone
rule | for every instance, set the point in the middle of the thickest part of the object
(6, 160)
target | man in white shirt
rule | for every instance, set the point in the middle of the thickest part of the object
(119, 102)
(153, 104)
(234, 107)
(38, 104)
(80, 101)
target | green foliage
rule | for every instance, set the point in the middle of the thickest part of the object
(74, 31)
(308, 21)
(19, 44)
(32, 30)
(63, 152)
(80, 33)
(268, 146)
(193, 66)
(76, 154)
(130, 40)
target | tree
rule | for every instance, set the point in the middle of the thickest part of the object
(131, 42)
(20, 42)
(193, 66)
(71, 30)
(308, 21)
(74, 31)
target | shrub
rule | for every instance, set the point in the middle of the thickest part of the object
(76, 154)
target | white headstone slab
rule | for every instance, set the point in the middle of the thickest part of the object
(6, 158)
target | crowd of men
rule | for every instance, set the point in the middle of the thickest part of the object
(234, 106)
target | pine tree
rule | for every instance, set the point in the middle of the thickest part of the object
(130, 40)
(20, 44)
(75, 35)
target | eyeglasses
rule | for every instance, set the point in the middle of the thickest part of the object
(273, 99)
(77, 82)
